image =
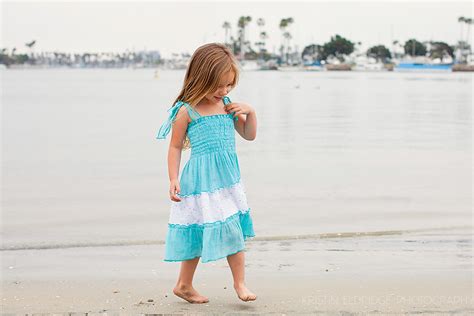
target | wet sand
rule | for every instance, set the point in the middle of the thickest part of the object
(410, 272)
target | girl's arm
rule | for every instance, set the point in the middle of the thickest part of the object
(246, 125)
(178, 133)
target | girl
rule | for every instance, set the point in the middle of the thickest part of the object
(209, 215)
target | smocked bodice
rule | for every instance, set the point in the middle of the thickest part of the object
(207, 134)
(212, 133)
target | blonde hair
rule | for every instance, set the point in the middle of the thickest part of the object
(207, 66)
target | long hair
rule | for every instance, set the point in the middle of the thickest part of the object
(207, 66)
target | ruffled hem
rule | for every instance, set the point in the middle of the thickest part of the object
(210, 241)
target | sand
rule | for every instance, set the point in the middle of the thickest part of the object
(424, 272)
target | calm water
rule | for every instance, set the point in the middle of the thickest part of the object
(335, 152)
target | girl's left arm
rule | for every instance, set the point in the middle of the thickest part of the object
(246, 125)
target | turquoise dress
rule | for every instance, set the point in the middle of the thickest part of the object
(213, 219)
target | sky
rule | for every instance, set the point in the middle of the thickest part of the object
(181, 27)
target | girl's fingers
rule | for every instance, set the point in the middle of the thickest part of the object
(173, 195)
(175, 198)
(235, 111)
(177, 190)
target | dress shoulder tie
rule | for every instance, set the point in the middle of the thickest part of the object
(166, 127)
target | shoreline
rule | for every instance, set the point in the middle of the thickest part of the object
(331, 68)
(72, 244)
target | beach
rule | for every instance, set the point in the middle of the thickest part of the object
(359, 184)
(398, 273)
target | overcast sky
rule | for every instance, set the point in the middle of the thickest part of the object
(183, 26)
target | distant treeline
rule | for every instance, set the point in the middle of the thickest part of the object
(338, 47)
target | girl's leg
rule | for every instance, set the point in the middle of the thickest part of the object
(184, 286)
(237, 265)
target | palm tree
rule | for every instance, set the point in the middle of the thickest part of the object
(284, 24)
(262, 35)
(461, 20)
(241, 24)
(263, 38)
(287, 37)
(357, 47)
(469, 22)
(261, 23)
(226, 26)
(396, 45)
(31, 45)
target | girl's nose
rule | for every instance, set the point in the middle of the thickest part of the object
(223, 91)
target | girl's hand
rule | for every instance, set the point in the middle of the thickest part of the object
(174, 188)
(238, 108)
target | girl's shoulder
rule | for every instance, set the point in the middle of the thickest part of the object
(187, 111)
(191, 112)
(183, 113)
(180, 110)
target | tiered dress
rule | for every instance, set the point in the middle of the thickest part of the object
(212, 220)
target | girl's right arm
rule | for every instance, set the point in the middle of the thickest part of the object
(178, 133)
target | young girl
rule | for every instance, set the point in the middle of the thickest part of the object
(209, 215)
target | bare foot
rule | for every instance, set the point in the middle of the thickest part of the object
(189, 294)
(244, 293)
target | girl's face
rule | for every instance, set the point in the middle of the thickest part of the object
(223, 89)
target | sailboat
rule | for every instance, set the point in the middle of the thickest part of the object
(313, 66)
(422, 63)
